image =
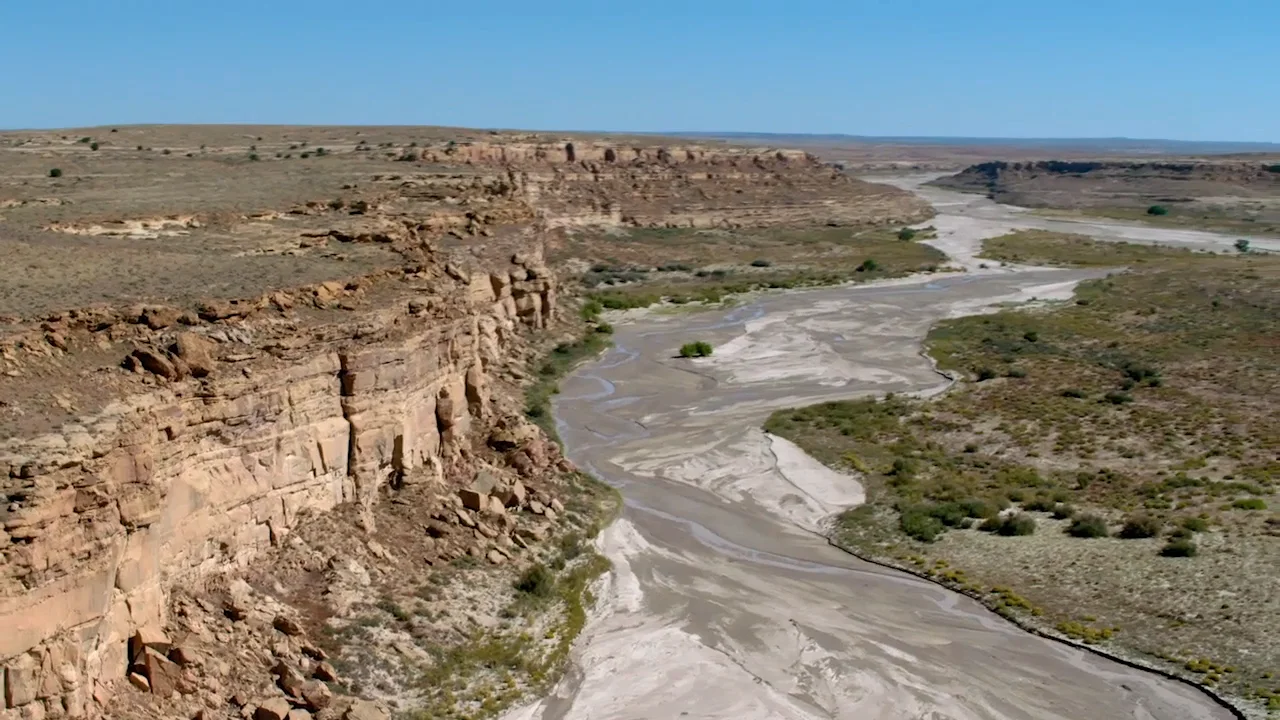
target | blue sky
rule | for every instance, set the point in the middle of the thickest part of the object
(1033, 68)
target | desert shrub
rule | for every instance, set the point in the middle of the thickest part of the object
(1062, 511)
(868, 265)
(1140, 526)
(1116, 397)
(604, 329)
(166, 151)
(919, 524)
(1016, 372)
(695, 349)
(253, 157)
(321, 152)
(85, 140)
(1242, 245)
(1031, 336)
(55, 173)
(906, 234)
(93, 146)
(537, 581)
(979, 508)
(1195, 524)
(1017, 524)
(1074, 393)
(1249, 504)
(408, 156)
(1040, 503)
(591, 309)
(1088, 526)
(1157, 210)
(1179, 547)
(985, 373)
(761, 263)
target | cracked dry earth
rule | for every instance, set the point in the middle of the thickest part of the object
(726, 600)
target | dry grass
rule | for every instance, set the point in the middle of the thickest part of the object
(1155, 393)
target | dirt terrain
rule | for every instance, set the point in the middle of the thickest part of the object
(270, 402)
(1238, 194)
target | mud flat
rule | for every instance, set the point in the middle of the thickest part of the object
(725, 599)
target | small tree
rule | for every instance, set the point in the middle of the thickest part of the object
(1157, 210)
(1242, 245)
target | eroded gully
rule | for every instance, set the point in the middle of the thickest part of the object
(725, 600)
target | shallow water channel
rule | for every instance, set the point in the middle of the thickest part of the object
(725, 601)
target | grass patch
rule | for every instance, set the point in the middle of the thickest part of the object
(554, 366)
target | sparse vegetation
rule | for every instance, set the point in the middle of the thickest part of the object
(1242, 245)
(906, 233)
(696, 349)
(55, 173)
(563, 358)
(1140, 526)
(1157, 210)
(761, 263)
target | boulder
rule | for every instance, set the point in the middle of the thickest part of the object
(156, 363)
(324, 671)
(184, 656)
(298, 714)
(276, 708)
(149, 637)
(365, 710)
(21, 680)
(496, 557)
(165, 676)
(197, 352)
(287, 625)
(513, 496)
(316, 695)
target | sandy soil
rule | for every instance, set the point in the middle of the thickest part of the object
(725, 602)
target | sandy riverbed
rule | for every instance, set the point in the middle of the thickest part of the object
(725, 602)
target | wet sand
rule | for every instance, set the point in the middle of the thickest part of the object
(725, 600)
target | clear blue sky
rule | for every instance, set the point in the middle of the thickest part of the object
(1205, 70)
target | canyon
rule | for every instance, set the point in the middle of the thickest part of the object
(213, 359)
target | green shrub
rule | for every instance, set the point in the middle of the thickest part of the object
(1157, 210)
(1249, 504)
(919, 524)
(1141, 526)
(93, 146)
(1118, 398)
(1088, 526)
(1040, 503)
(1179, 547)
(604, 328)
(906, 234)
(760, 263)
(868, 265)
(1016, 372)
(1031, 336)
(1242, 245)
(1017, 524)
(591, 309)
(1062, 511)
(55, 173)
(85, 140)
(1074, 393)
(979, 508)
(253, 157)
(537, 581)
(695, 349)
(985, 373)
(1195, 524)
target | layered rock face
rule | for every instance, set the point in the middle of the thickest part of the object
(198, 477)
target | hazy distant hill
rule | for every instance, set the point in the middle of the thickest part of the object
(1099, 145)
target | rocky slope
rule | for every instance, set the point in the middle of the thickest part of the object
(208, 467)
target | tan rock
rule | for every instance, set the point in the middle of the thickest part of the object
(537, 508)
(287, 625)
(156, 363)
(197, 352)
(165, 676)
(324, 671)
(298, 714)
(514, 495)
(365, 710)
(146, 637)
(22, 683)
(496, 557)
(557, 505)
(184, 656)
(276, 708)
(316, 695)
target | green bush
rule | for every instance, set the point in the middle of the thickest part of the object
(1088, 526)
(537, 581)
(85, 140)
(1157, 210)
(985, 373)
(760, 263)
(695, 349)
(1179, 547)
(1062, 511)
(868, 265)
(1249, 504)
(55, 173)
(1017, 524)
(1140, 526)
(1118, 398)
(1195, 524)
(1074, 393)
(906, 234)
(93, 146)
(253, 157)
(591, 309)
(1040, 503)
(919, 524)
(1242, 245)
(604, 328)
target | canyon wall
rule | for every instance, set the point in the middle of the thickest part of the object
(174, 485)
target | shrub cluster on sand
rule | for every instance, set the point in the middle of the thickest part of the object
(695, 349)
